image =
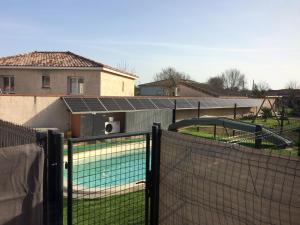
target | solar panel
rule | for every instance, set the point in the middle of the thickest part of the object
(93, 104)
(163, 103)
(141, 104)
(76, 104)
(110, 104)
(81, 104)
(194, 102)
(123, 104)
(147, 103)
(183, 104)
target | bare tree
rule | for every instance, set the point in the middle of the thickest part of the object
(292, 84)
(171, 79)
(171, 73)
(216, 82)
(124, 66)
(233, 79)
(260, 89)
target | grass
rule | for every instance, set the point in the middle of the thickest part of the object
(222, 134)
(273, 123)
(114, 210)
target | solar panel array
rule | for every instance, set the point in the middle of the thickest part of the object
(121, 104)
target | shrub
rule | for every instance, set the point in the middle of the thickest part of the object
(266, 113)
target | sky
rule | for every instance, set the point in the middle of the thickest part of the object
(261, 38)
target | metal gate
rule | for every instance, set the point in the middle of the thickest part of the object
(108, 179)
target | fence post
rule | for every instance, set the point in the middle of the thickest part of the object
(70, 184)
(155, 165)
(42, 140)
(174, 112)
(148, 179)
(258, 136)
(199, 104)
(282, 119)
(215, 131)
(234, 117)
(299, 141)
(55, 177)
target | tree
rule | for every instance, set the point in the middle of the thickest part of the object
(233, 79)
(171, 79)
(259, 90)
(172, 74)
(292, 85)
(216, 82)
(291, 99)
(124, 66)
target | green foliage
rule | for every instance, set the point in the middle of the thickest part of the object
(266, 113)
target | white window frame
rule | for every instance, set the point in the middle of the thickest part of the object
(10, 88)
(78, 90)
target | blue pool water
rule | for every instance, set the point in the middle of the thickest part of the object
(110, 170)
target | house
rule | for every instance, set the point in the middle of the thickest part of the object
(184, 88)
(62, 73)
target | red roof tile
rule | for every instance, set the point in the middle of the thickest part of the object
(53, 59)
(48, 59)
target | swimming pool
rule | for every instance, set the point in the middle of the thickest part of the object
(109, 170)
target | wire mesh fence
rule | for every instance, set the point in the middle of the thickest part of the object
(210, 182)
(13, 135)
(107, 179)
(275, 137)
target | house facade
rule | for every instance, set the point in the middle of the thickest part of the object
(62, 73)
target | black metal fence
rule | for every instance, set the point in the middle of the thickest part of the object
(108, 179)
(52, 145)
(13, 135)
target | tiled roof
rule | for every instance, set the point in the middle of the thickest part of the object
(53, 59)
(48, 59)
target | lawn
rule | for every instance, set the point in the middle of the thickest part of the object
(225, 135)
(273, 123)
(114, 210)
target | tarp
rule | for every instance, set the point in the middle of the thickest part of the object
(214, 183)
(21, 185)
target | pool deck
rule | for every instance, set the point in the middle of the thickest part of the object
(77, 157)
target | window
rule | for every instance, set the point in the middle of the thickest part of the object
(8, 84)
(45, 81)
(76, 85)
(123, 86)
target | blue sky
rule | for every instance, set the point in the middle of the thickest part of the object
(202, 38)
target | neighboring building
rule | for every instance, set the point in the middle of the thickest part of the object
(183, 88)
(62, 73)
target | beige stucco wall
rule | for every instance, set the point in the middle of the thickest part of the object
(37, 112)
(111, 85)
(29, 81)
(185, 91)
